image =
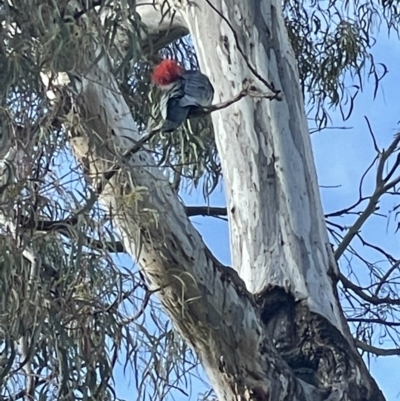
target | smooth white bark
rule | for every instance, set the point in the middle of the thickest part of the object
(277, 228)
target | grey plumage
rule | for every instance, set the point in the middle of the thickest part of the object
(181, 98)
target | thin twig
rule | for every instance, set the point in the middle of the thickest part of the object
(387, 255)
(270, 86)
(345, 210)
(386, 276)
(381, 187)
(372, 321)
(136, 148)
(374, 300)
(250, 91)
(372, 134)
(355, 228)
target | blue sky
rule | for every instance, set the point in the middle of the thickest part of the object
(341, 157)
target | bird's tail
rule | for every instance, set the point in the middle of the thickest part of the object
(169, 126)
(176, 115)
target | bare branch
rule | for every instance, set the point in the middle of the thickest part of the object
(205, 211)
(372, 135)
(376, 248)
(250, 91)
(365, 174)
(386, 276)
(393, 169)
(64, 226)
(381, 188)
(354, 229)
(373, 320)
(347, 209)
(374, 300)
(375, 350)
(315, 130)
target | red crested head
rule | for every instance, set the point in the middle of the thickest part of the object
(167, 72)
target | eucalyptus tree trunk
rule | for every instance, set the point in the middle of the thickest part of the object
(276, 332)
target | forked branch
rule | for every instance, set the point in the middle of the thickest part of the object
(383, 184)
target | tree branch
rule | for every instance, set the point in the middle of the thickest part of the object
(250, 91)
(386, 276)
(205, 211)
(373, 321)
(108, 175)
(382, 186)
(375, 350)
(63, 227)
(369, 298)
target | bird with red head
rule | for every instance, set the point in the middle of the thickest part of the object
(184, 92)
